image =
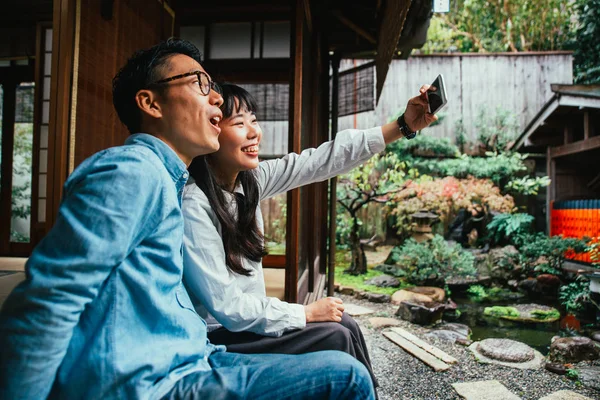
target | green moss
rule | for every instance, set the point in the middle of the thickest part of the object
(545, 315)
(358, 281)
(498, 311)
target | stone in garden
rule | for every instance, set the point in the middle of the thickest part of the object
(461, 329)
(346, 290)
(507, 352)
(383, 281)
(360, 295)
(462, 283)
(444, 335)
(530, 313)
(596, 336)
(425, 313)
(382, 322)
(435, 293)
(405, 295)
(556, 368)
(356, 310)
(378, 297)
(574, 349)
(464, 342)
(390, 270)
(590, 376)
(565, 395)
(484, 390)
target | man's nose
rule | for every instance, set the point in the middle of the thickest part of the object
(215, 98)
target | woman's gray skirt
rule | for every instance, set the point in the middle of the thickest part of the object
(316, 336)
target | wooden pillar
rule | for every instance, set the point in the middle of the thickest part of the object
(335, 94)
(550, 189)
(295, 145)
(587, 125)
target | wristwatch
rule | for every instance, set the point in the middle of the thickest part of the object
(403, 126)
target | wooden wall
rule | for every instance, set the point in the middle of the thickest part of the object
(518, 82)
(105, 45)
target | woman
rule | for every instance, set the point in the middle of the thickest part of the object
(224, 243)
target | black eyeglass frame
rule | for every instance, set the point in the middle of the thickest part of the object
(211, 84)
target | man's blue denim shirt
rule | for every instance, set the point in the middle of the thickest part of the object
(103, 313)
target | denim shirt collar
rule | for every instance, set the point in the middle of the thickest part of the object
(174, 165)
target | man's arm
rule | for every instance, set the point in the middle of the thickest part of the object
(103, 216)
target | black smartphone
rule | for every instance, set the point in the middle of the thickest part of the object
(436, 95)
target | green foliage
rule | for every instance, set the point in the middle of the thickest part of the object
(424, 144)
(509, 228)
(496, 132)
(527, 185)
(460, 135)
(541, 254)
(574, 296)
(432, 262)
(572, 374)
(499, 311)
(496, 26)
(586, 59)
(477, 292)
(21, 189)
(499, 167)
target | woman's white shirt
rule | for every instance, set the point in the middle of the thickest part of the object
(238, 302)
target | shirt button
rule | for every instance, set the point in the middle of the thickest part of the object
(185, 175)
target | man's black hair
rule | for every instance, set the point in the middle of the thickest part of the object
(142, 69)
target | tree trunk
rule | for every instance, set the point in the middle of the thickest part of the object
(359, 259)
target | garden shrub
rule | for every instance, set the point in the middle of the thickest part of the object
(540, 254)
(446, 197)
(432, 262)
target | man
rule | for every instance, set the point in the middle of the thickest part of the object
(103, 313)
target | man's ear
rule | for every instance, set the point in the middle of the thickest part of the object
(148, 103)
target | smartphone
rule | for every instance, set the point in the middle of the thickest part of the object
(436, 95)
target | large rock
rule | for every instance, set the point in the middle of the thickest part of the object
(574, 349)
(527, 313)
(505, 350)
(378, 297)
(421, 313)
(383, 281)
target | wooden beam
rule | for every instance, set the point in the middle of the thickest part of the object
(416, 351)
(295, 145)
(360, 31)
(576, 147)
(426, 346)
(551, 188)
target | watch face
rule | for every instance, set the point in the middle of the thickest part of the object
(411, 135)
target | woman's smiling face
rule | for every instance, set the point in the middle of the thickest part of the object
(239, 142)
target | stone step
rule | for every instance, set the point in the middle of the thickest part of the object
(416, 351)
(484, 390)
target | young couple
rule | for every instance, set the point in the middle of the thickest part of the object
(104, 312)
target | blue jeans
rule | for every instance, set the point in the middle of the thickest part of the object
(319, 375)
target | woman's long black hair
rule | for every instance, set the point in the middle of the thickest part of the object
(241, 236)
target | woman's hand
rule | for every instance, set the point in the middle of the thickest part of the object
(325, 310)
(416, 115)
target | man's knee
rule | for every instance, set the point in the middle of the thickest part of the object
(345, 369)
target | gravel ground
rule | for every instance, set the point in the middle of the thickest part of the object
(401, 376)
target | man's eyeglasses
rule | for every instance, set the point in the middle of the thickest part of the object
(204, 81)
